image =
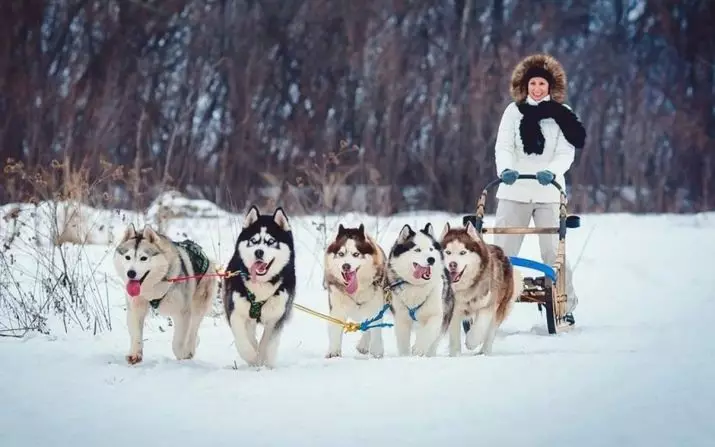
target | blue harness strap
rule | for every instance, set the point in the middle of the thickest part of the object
(540, 266)
(413, 310)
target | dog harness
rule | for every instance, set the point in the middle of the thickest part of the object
(411, 310)
(199, 263)
(256, 306)
(199, 260)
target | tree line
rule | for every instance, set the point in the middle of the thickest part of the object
(339, 105)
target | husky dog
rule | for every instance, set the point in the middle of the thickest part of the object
(421, 291)
(485, 286)
(354, 275)
(148, 261)
(263, 288)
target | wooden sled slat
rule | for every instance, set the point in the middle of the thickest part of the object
(521, 230)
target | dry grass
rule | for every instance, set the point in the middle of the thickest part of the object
(45, 269)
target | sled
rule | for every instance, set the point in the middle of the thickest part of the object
(549, 289)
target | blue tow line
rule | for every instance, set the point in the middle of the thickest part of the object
(368, 324)
(540, 266)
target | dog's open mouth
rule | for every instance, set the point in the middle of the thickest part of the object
(422, 271)
(351, 282)
(260, 268)
(134, 286)
(455, 275)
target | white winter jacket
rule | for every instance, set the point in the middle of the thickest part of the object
(557, 157)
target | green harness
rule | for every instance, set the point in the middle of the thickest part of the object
(256, 306)
(199, 263)
(199, 260)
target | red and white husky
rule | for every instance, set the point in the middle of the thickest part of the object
(354, 275)
(485, 285)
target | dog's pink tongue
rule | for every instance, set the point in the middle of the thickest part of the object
(453, 275)
(134, 288)
(352, 285)
(258, 267)
(420, 270)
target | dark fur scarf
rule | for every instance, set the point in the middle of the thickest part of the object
(530, 130)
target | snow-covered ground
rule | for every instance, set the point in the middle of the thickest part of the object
(636, 371)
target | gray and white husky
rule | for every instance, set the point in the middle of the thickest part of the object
(263, 288)
(422, 295)
(147, 262)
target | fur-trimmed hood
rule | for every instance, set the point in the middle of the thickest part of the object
(558, 89)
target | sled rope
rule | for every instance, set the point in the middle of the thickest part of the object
(218, 273)
(347, 325)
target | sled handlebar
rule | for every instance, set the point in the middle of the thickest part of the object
(498, 181)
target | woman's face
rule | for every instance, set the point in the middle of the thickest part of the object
(538, 88)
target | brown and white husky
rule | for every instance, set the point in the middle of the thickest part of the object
(485, 284)
(354, 273)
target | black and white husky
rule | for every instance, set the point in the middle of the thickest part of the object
(421, 291)
(263, 288)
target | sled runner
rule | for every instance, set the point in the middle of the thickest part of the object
(548, 290)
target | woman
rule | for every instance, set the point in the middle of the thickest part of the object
(537, 135)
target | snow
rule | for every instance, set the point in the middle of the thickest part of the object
(636, 370)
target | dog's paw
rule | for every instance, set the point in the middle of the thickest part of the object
(419, 351)
(185, 355)
(363, 346)
(472, 343)
(134, 358)
(362, 349)
(252, 360)
(484, 351)
(333, 354)
(378, 354)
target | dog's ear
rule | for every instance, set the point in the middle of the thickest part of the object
(251, 216)
(341, 230)
(129, 233)
(472, 232)
(405, 234)
(428, 229)
(149, 234)
(279, 216)
(445, 230)
(361, 229)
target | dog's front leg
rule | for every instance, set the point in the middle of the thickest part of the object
(182, 325)
(251, 326)
(489, 338)
(377, 347)
(427, 336)
(192, 339)
(478, 331)
(268, 347)
(371, 341)
(455, 334)
(244, 339)
(363, 345)
(335, 331)
(136, 314)
(403, 331)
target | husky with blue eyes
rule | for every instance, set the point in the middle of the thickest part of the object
(147, 261)
(262, 287)
(422, 296)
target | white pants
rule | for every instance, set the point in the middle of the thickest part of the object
(518, 214)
